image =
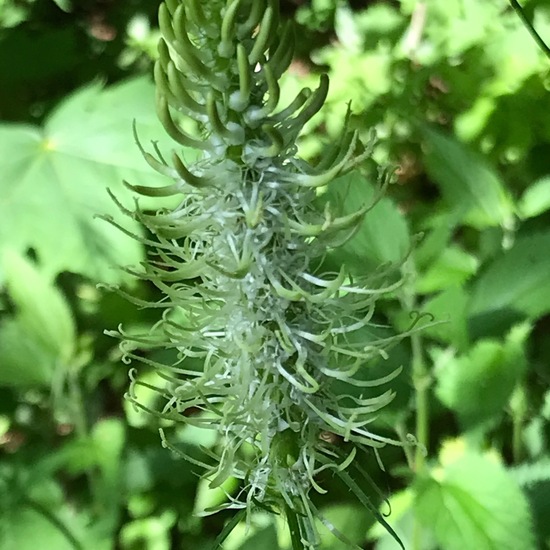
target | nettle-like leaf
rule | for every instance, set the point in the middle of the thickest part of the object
(478, 384)
(473, 502)
(55, 180)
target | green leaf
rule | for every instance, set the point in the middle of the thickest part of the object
(40, 306)
(453, 267)
(535, 481)
(28, 529)
(536, 199)
(152, 533)
(467, 183)
(473, 502)
(478, 384)
(55, 180)
(402, 518)
(266, 539)
(41, 337)
(518, 280)
(383, 236)
(25, 362)
(449, 311)
(65, 5)
(350, 520)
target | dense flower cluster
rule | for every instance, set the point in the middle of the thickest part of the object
(238, 261)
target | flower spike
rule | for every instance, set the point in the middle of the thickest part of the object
(237, 260)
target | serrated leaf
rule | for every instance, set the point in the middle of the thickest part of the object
(478, 384)
(517, 280)
(467, 183)
(54, 179)
(473, 502)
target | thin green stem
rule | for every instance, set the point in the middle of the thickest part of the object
(518, 406)
(81, 428)
(536, 36)
(421, 378)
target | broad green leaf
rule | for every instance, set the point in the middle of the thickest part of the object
(28, 529)
(437, 230)
(536, 199)
(453, 267)
(449, 311)
(24, 362)
(478, 384)
(41, 337)
(40, 306)
(55, 179)
(472, 502)
(383, 236)
(517, 280)
(33, 513)
(467, 183)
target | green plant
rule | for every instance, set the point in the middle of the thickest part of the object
(268, 342)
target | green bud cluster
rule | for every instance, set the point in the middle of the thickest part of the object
(239, 263)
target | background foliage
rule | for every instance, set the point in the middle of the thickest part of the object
(458, 94)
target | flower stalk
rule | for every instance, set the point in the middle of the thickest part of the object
(239, 263)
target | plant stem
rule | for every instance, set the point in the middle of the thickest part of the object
(421, 382)
(536, 36)
(421, 387)
(82, 431)
(518, 406)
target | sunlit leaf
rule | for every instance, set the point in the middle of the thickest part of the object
(518, 280)
(536, 199)
(478, 385)
(467, 183)
(55, 179)
(473, 502)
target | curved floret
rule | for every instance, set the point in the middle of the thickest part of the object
(238, 261)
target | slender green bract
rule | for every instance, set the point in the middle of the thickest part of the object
(239, 264)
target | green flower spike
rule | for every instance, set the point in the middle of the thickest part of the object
(238, 264)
